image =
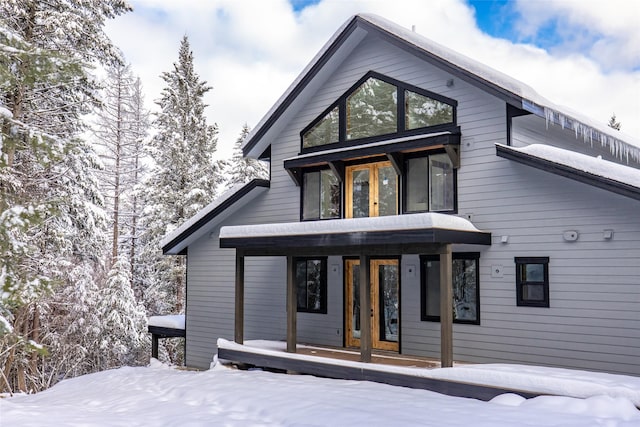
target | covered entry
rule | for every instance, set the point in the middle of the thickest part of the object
(366, 239)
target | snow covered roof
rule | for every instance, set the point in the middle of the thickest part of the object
(594, 171)
(230, 201)
(425, 228)
(170, 321)
(495, 82)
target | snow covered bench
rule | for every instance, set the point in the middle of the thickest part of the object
(165, 327)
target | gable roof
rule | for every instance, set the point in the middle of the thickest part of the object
(512, 91)
(595, 171)
(175, 242)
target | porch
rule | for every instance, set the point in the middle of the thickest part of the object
(327, 362)
(364, 239)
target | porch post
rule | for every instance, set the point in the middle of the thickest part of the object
(292, 305)
(239, 320)
(446, 310)
(365, 309)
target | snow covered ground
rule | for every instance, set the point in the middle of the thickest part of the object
(162, 396)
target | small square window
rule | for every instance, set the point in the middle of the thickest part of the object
(311, 282)
(532, 281)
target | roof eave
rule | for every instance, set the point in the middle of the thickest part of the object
(566, 171)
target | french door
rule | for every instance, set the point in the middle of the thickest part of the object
(371, 190)
(385, 303)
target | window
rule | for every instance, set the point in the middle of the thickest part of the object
(466, 288)
(423, 111)
(325, 131)
(311, 282)
(372, 109)
(320, 195)
(375, 108)
(429, 184)
(532, 281)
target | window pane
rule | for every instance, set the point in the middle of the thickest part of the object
(422, 111)
(329, 195)
(533, 292)
(325, 132)
(360, 193)
(441, 196)
(388, 280)
(314, 284)
(432, 289)
(387, 191)
(465, 290)
(417, 185)
(311, 196)
(372, 109)
(301, 277)
(533, 273)
(355, 320)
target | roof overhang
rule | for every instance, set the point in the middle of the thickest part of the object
(392, 148)
(594, 171)
(411, 233)
(176, 242)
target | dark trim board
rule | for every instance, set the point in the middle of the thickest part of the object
(336, 371)
(158, 332)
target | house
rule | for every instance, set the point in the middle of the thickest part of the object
(422, 203)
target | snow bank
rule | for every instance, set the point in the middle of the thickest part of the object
(161, 396)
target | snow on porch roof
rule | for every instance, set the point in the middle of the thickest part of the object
(502, 85)
(396, 229)
(594, 171)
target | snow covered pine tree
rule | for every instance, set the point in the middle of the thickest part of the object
(51, 220)
(184, 178)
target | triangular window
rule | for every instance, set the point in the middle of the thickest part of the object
(324, 132)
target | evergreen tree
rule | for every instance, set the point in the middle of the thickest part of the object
(123, 336)
(241, 169)
(614, 123)
(50, 205)
(183, 179)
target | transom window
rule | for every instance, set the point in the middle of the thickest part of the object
(376, 107)
(466, 287)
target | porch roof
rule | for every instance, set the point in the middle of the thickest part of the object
(411, 233)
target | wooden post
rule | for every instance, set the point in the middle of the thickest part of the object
(154, 346)
(365, 309)
(292, 305)
(446, 309)
(239, 321)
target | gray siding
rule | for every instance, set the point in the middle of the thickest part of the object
(593, 321)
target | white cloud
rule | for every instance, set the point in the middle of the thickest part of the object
(251, 50)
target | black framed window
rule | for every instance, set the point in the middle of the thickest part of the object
(532, 281)
(429, 184)
(466, 287)
(320, 195)
(311, 282)
(374, 108)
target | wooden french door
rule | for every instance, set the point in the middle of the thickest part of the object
(385, 303)
(371, 190)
